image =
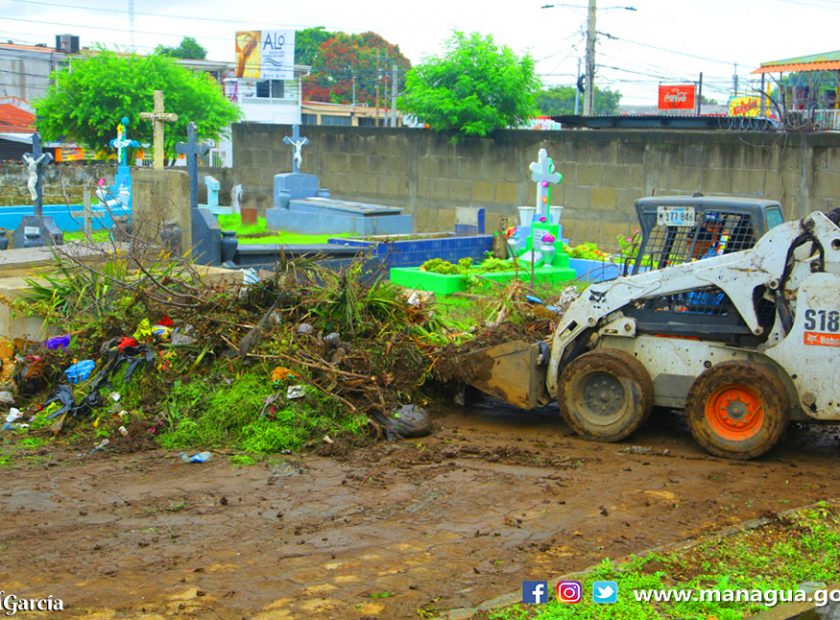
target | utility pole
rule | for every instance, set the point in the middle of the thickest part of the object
(699, 94)
(735, 81)
(589, 95)
(376, 88)
(394, 95)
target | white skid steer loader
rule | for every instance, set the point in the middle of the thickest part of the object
(726, 312)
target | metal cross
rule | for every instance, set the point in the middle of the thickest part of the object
(544, 174)
(35, 163)
(192, 150)
(297, 142)
(121, 142)
(158, 118)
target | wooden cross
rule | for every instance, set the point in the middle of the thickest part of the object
(192, 149)
(158, 118)
(297, 142)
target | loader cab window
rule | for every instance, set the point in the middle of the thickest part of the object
(774, 217)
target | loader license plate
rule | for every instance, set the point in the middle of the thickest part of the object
(675, 216)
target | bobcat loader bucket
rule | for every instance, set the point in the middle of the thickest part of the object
(509, 371)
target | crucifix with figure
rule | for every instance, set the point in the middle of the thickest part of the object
(297, 142)
(35, 230)
(544, 175)
(158, 118)
(192, 149)
(35, 164)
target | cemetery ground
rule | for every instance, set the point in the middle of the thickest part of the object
(306, 510)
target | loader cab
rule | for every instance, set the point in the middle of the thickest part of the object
(681, 229)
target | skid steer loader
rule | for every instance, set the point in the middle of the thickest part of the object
(726, 311)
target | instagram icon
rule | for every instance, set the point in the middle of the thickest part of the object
(569, 591)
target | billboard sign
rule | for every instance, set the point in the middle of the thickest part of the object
(265, 54)
(744, 106)
(676, 96)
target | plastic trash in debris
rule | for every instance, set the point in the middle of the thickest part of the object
(100, 446)
(295, 391)
(407, 421)
(115, 396)
(250, 276)
(161, 332)
(333, 339)
(57, 342)
(7, 398)
(304, 329)
(123, 431)
(200, 457)
(127, 342)
(79, 371)
(14, 414)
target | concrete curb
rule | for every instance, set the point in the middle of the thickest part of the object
(785, 611)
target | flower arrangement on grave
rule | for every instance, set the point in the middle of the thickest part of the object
(511, 232)
(548, 239)
(543, 219)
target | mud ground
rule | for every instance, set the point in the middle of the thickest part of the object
(392, 530)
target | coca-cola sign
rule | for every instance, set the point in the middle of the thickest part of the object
(676, 96)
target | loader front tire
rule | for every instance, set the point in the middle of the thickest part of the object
(605, 395)
(737, 410)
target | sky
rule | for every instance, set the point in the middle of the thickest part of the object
(660, 42)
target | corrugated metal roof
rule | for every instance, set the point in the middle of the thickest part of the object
(827, 61)
(15, 120)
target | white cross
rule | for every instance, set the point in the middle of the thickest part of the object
(543, 174)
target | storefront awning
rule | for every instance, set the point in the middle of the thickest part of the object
(828, 61)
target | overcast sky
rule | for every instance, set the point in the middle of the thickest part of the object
(662, 41)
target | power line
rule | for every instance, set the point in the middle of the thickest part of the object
(192, 18)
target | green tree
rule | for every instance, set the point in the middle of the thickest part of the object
(87, 100)
(188, 48)
(476, 88)
(560, 100)
(308, 44)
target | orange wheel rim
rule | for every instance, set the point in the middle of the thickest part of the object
(735, 412)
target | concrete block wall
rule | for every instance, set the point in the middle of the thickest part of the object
(604, 171)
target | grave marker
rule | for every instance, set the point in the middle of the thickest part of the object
(297, 143)
(158, 118)
(206, 235)
(37, 227)
(544, 175)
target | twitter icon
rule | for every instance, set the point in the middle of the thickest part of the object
(604, 591)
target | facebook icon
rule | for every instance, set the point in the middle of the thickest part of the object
(534, 592)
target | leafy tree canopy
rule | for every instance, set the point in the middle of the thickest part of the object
(308, 44)
(476, 88)
(560, 100)
(188, 48)
(85, 104)
(343, 59)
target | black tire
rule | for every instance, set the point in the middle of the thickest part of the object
(605, 395)
(737, 410)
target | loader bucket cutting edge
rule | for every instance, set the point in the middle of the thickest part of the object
(508, 371)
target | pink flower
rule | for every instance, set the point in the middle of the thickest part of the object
(542, 219)
(548, 238)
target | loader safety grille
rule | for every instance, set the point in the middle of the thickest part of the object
(713, 234)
